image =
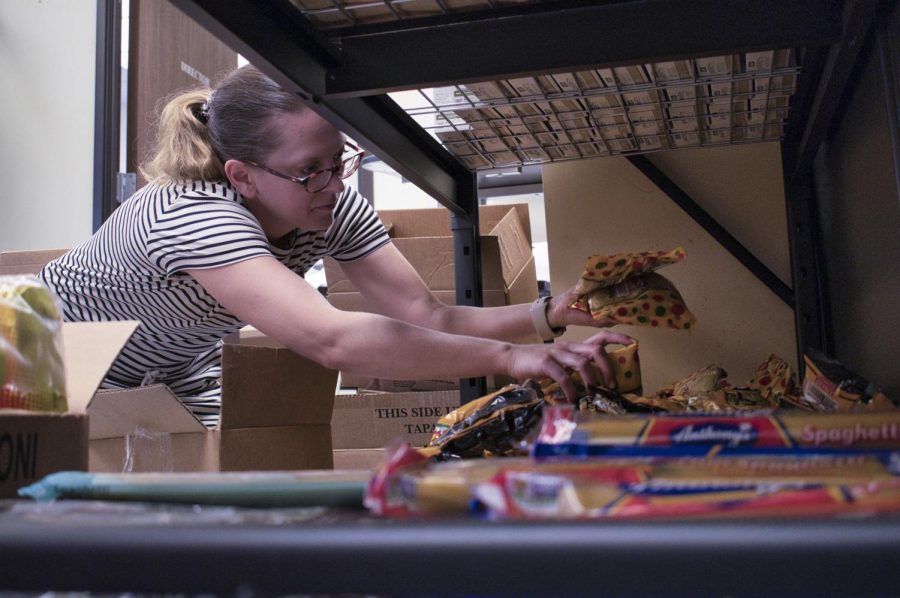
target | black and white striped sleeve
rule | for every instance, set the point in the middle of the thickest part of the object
(356, 231)
(204, 232)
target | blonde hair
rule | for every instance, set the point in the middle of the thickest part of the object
(238, 125)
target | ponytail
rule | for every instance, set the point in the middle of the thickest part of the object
(199, 130)
(183, 150)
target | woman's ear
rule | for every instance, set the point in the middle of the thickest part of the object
(238, 174)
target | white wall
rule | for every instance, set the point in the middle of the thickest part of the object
(47, 62)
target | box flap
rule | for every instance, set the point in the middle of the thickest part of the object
(489, 216)
(117, 413)
(27, 262)
(515, 250)
(89, 349)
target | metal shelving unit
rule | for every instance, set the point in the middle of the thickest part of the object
(514, 82)
(346, 58)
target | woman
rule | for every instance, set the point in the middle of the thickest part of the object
(246, 193)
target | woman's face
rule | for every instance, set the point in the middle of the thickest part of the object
(308, 143)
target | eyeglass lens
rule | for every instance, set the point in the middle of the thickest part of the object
(320, 180)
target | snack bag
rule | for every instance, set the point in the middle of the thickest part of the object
(495, 424)
(626, 367)
(829, 386)
(774, 378)
(643, 300)
(32, 375)
(613, 269)
(624, 289)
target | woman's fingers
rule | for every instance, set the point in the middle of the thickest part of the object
(553, 368)
(607, 337)
(595, 348)
(575, 358)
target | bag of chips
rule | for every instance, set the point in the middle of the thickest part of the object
(829, 386)
(32, 376)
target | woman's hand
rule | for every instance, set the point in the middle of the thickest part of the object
(559, 313)
(557, 360)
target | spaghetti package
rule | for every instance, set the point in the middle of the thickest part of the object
(32, 375)
(565, 432)
(624, 289)
(587, 494)
(409, 484)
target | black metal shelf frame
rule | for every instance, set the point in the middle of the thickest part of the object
(345, 73)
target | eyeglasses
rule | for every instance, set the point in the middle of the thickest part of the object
(318, 180)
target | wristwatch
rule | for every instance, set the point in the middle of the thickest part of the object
(539, 319)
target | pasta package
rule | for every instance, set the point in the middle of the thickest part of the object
(32, 374)
(586, 495)
(625, 289)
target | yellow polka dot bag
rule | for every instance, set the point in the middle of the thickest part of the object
(625, 289)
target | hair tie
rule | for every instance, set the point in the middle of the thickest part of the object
(202, 113)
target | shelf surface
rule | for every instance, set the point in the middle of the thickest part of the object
(111, 547)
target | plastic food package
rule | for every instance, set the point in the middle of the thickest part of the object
(588, 494)
(567, 433)
(624, 289)
(495, 424)
(409, 484)
(626, 368)
(609, 270)
(829, 386)
(32, 373)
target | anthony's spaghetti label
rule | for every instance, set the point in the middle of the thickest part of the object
(566, 432)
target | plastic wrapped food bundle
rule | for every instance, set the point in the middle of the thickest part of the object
(624, 289)
(567, 433)
(495, 424)
(588, 494)
(32, 373)
(793, 483)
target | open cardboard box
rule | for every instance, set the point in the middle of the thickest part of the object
(33, 444)
(276, 414)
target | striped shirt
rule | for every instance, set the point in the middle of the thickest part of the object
(133, 268)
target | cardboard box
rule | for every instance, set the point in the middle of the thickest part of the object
(366, 458)
(424, 237)
(34, 444)
(149, 428)
(373, 420)
(26, 262)
(276, 414)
